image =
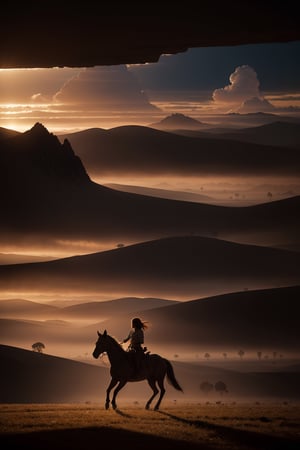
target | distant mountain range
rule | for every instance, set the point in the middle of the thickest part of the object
(255, 119)
(175, 267)
(281, 134)
(177, 121)
(284, 134)
(182, 123)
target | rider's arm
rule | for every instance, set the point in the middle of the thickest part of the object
(127, 338)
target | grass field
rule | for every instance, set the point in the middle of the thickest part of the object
(214, 425)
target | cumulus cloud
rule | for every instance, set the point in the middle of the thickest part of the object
(107, 87)
(243, 85)
(243, 94)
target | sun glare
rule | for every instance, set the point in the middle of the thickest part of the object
(15, 127)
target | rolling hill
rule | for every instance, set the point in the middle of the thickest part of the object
(265, 319)
(47, 194)
(25, 308)
(20, 308)
(163, 193)
(29, 377)
(141, 150)
(185, 267)
(255, 320)
(109, 308)
(282, 134)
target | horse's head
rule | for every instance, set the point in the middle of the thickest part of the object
(101, 344)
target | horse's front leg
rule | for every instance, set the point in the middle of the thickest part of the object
(118, 388)
(112, 384)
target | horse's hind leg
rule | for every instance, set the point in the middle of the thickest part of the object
(162, 392)
(110, 387)
(118, 388)
(152, 384)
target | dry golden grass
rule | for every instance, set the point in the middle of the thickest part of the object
(183, 425)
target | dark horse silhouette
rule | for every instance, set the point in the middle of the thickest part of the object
(154, 368)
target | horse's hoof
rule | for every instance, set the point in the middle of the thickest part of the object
(156, 408)
(147, 406)
(106, 405)
(114, 406)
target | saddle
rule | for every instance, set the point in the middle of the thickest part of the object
(136, 358)
(144, 351)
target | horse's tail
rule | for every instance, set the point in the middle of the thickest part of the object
(171, 376)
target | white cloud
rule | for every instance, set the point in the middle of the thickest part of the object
(242, 94)
(243, 85)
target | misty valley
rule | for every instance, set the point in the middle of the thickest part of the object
(194, 230)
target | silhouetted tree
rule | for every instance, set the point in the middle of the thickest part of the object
(206, 387)
(241, 353)
(269, 195)
(221, 387)
(225, 355)
(38, 347)
(207, 356)
(120, 245)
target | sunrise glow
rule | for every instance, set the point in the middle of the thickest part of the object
(67, 99)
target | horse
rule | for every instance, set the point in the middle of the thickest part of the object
(153, 368)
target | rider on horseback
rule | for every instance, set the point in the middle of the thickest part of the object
(136, 337)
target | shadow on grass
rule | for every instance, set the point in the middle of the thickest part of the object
(92, 437)
(245, 438)
(121, 413)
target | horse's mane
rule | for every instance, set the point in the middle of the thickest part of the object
(115, 341)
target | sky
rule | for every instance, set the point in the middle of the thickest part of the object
(203, 83)
(199, 83)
